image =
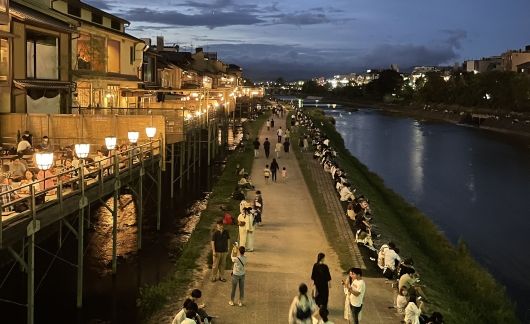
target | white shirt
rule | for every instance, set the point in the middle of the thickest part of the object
(180, 317)
(279, 132)
(360, 286)
(390, 259)
(23, 145)
(188, 321)
(412, 314)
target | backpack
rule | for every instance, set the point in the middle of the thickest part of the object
(303, 314)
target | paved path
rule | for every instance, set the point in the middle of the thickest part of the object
(285, 250)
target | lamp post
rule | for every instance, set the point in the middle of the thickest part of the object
(81, 150)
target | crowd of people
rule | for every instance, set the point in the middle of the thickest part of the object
(409, 298)
(20, 173)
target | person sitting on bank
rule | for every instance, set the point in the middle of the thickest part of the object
(245, 183)
(45, 144)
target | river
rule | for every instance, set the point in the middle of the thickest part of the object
(473, 184)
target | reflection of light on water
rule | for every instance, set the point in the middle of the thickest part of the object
(100, 246)
(416, 159)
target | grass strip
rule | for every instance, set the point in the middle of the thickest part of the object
(457, 286)
(154, 297)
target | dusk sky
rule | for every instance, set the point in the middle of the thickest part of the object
(300, 39)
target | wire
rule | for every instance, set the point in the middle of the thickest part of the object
(8, 273)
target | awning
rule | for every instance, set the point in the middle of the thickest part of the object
(37, 89)
(137, 93)
(44, 84)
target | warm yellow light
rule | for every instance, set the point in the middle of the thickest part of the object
(150, 132)
(44, 160)
(133, 136)
(82, 150)
(110, 142)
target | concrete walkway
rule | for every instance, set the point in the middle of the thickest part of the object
(286, 247)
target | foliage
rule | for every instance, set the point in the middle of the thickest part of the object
(495, 90)
(312, 87)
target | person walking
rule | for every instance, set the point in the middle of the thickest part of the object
(249, 245)
(238, 274)
(354, 288)
(287, 134)
(274, 169)
(220, 242)
(286, 146)
(284, 175)
(272, 123)
(279, 133)
(267, 147)
(267, 174)
(303, 307)
(306, 143)
(258, 206)
(278, 149)
(321, 281)
(268, 123)
(257, 144)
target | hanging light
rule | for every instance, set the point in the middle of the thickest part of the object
(150, 132)
(82, 150)
(133, 136)
(110, 142)
(44, 160)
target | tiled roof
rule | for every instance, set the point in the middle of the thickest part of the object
(31, 16)
(43, 84)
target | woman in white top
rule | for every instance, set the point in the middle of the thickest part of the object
(402, 300)
(302, 308)
(354, 288)
(244, 222)
(413, 311)
(238, 273)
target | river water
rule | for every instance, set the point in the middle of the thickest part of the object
(473, 184)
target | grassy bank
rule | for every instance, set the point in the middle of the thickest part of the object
(457, 285)
(153, 298)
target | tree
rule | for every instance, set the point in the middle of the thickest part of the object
(312, 87)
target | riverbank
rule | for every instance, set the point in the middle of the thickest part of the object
(158, 302)
(502, 122)
(456, 285)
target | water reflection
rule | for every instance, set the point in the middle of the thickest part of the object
(100, 247)
(473, 184)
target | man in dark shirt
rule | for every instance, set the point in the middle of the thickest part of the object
(256, 147)
(220, 243)
(267, 147)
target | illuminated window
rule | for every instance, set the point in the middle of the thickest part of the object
(113, 54)
(4, 59)
(91, 53)
(4, 12)
(42, 55)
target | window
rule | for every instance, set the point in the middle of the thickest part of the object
(132, 55)
(4, 59)
(96, 18)
(115, 24)
(91, 54)
(113, 55)
(42, 55)
(149, 69)
(74, 10)
(4, 12)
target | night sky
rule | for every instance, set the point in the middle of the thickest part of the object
(300, 39)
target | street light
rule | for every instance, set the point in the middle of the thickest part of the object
(133, 136)
(44, 160)
(110, 142)
(150, 132)
(82, 150)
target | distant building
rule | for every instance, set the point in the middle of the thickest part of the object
(486, 64)
(511, 59)
(524, 68)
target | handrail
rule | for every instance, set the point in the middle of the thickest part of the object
(101, 171)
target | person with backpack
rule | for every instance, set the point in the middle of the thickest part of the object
(238, 274)
(303, 307)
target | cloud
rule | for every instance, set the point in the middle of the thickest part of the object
(300, 18)
(100, 4)
(176, 18)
